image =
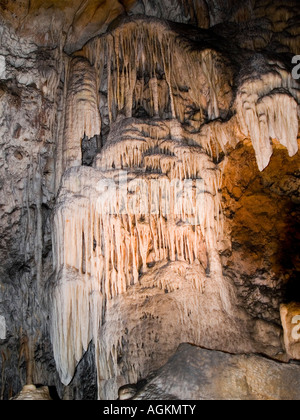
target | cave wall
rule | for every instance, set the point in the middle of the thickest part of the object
(52, 98)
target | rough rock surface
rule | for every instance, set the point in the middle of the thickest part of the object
(195, 373)
(74, 77)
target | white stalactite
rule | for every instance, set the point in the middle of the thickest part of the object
(102, 245)
(167, 206)
(82, 113)
(134, 50)
(267, 108)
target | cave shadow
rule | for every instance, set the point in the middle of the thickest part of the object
(288, 254)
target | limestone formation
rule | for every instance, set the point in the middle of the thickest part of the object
(199, 374)
(149, 191)
(32, 393)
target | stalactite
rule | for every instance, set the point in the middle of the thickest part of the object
(172, 216)
(167, 208)
(82, 113)
(267, 108)
(76, 317)
(142, 58)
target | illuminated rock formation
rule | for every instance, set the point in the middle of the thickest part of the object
(154, 193)
(165, 208)
(149, 186)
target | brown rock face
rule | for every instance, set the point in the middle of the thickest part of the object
(149, 192)
(262, 214)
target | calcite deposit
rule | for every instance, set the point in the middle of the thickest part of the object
(149, 191)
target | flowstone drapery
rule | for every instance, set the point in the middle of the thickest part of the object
(159, 202)
(153, 193)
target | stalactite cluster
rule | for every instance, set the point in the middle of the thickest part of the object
(107, 230)
(110, 233)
